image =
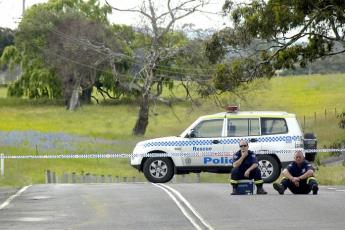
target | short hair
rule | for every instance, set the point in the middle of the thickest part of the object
(299, 151)
(244, 141)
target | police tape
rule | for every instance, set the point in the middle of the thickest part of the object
(159, 154)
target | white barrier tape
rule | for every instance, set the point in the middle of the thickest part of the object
(125, 155)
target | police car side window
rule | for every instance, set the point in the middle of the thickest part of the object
(210, 128)
(273, 126)
(243, 127)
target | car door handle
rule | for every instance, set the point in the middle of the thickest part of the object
(253, 140)
(215, 142)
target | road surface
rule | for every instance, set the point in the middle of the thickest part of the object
(168, 206)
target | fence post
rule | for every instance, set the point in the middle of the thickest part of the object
(53, 177)
(88, 178)
(198, 179)
(48, 177)
(82, 178)
(74, 178)
(183, 178)
(174, 179)
(65, 177)
(325, 113)
(94, 178)
(2, 164)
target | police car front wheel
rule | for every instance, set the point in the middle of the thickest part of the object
(269, 167)
(158, 169)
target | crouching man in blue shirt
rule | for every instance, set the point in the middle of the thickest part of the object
(245, 166)
(298, 177)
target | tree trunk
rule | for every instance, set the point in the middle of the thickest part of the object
(74, 101)
(143, 117)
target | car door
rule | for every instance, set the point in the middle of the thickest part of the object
(275, 135)
(205, 142)
(242, 129)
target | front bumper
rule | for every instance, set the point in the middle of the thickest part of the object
(136, 167)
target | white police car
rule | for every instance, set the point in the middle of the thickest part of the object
(208, 144)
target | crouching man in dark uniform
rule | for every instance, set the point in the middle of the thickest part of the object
(245, 166)
(298, 177)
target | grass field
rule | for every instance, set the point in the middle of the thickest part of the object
(303, 95)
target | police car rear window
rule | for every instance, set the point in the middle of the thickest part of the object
(242, 127)
(273, 126)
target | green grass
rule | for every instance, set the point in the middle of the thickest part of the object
(333, 175)
(3, 92)
(303, 95)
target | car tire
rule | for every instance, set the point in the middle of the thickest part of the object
(269, 168)
(158, 169)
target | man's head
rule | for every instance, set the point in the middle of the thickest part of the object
(299, 157)
(243, 145)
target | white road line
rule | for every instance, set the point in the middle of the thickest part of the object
(8, 201)
(174, 194)
(202, 220)
(184, 211)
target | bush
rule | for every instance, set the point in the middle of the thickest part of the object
(341, 118)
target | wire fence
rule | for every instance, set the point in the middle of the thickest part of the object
(319, 116)
(51, 177)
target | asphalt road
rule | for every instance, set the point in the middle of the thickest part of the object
(168, 206)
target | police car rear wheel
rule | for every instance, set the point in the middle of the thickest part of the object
(158, 170)
(269, 167)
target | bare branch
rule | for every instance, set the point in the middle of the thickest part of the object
(129, 10)
(174, 19)
(188, 95)
(176, 8)
(335, 31)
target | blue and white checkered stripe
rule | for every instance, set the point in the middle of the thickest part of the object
(179, 143)
(199, 142)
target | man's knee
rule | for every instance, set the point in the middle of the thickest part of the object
(236, 175)
(285, 182)
(311, 181)
(255, 174)
(235, 172)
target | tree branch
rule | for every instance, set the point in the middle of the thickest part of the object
(129, 10)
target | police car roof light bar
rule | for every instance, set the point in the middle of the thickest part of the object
(232, 109)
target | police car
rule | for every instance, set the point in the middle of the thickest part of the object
(209, 143)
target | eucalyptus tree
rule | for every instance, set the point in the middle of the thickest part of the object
(6, 38)
(155, 60)
(285, 33)
(55, 45)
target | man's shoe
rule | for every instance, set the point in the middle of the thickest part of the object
(279, 187)
(261, 191)
(315, 189)
(234, 192)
